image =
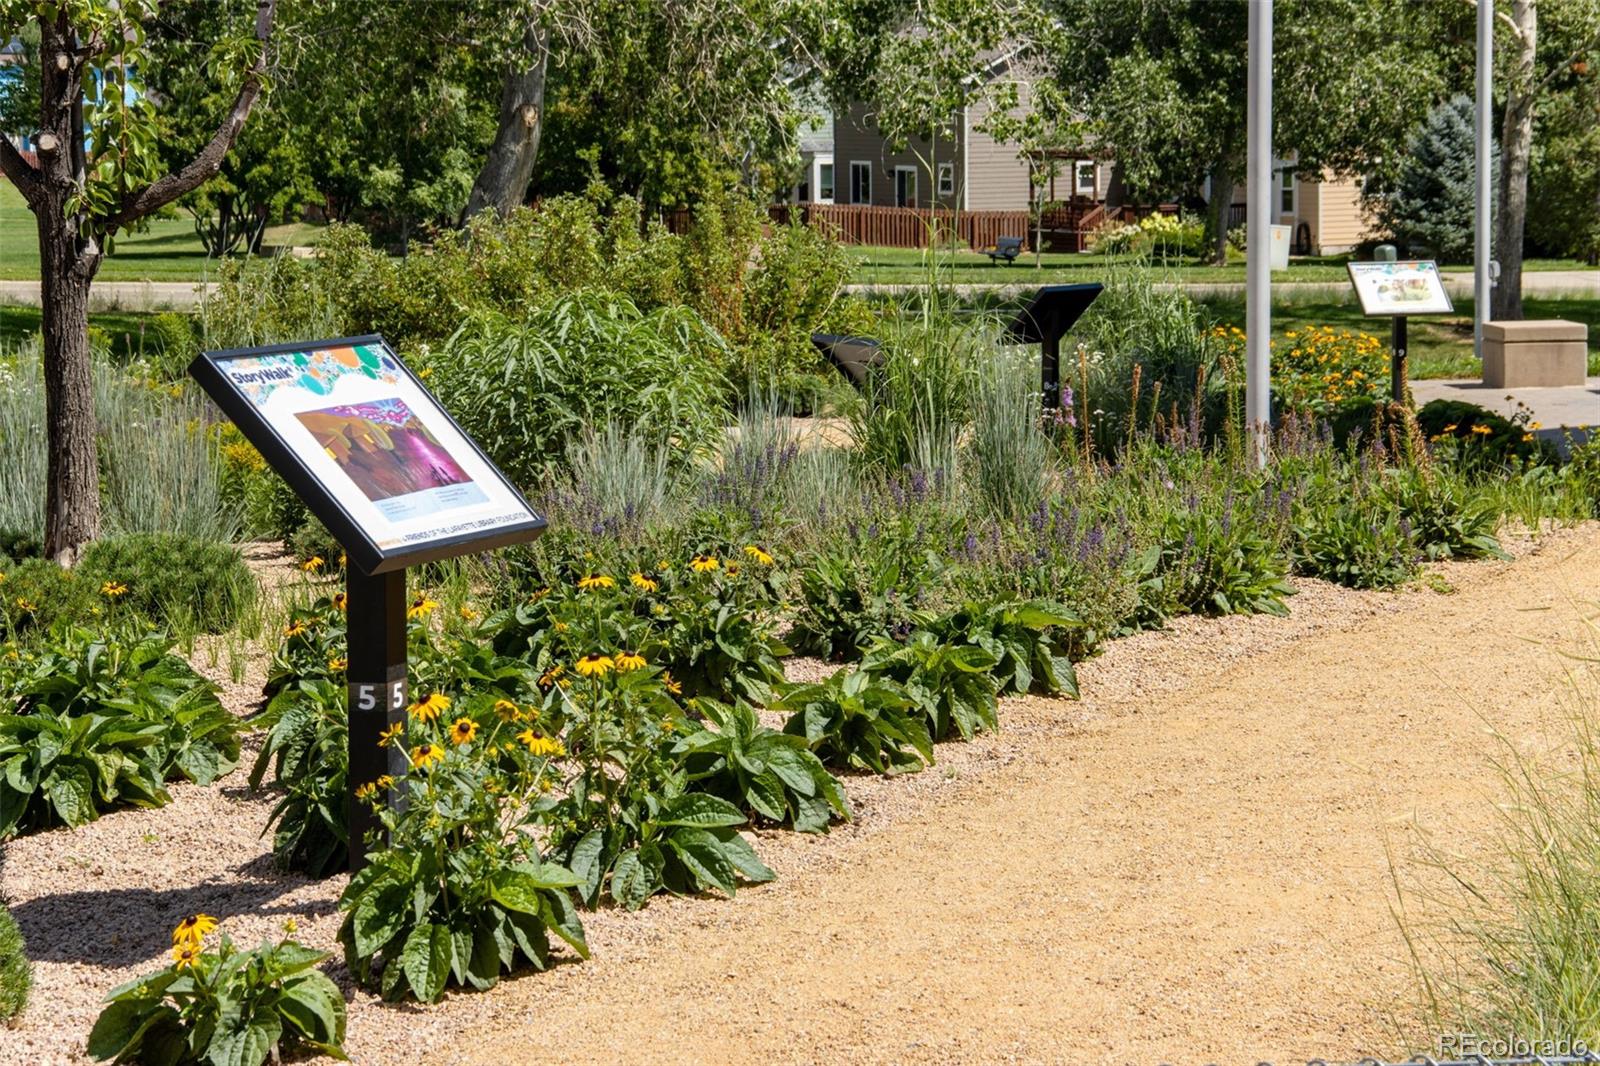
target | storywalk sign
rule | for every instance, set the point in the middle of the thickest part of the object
(1397, 290)
(372, 455)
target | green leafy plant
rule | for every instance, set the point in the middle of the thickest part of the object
(850, 598)
(223, 1008)
(857, 720)
(1445, 519)
(306, 747)
(16, 973)
(949, 683)
(95, 721)
(773, 774)
(1359, 542)
(1025, 641)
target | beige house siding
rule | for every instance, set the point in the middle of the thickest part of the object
(1341, 224)
(856, 140)
(997, 176)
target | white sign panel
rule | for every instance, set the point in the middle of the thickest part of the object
(1406, 288)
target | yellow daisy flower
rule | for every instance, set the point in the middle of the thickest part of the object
(505, 710)
(185, 955)
(312, 565)
(629, 660)
(672, 686)
(463, 730)
(542, 746)
(339, 601)
(391, 735)
(428, 710)
(759, 554)
(294, 629)
(113, 589)
(421, 607)
(595, 581)
(641, 582)
(425, 755)
(704, 564)
(593, 665)
(337, 664)
(194, 929)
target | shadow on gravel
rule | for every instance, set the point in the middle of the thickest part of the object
(124, 927)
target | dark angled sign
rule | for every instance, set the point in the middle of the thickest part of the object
(368, 449)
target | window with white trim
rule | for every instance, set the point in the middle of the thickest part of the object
(947, 179)
(825, 182)
(1086, 178)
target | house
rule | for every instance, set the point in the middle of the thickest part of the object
(1323, 210)
(816, 162)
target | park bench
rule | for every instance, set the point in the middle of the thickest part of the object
(1535, 354)
(1007, 248)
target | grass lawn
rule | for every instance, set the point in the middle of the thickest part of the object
(167, 250)
(1441, 346)
(909, 266)
(126, 328)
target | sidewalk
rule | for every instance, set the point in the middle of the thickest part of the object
(1557, 410)
(117, 295)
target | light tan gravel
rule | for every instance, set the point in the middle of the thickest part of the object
(1186, 866)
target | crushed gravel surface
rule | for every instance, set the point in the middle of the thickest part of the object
(1187, 865)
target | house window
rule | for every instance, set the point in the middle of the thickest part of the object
(905, 186)
(1286, 191)
(1086, 182)
(802, 193)
(947, 179)
(825, 182)
(860, 183)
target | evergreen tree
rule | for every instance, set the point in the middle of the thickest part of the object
(1431, 202)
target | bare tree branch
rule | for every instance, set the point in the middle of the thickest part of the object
(21, 173)
(1566, 64)
(208, 161)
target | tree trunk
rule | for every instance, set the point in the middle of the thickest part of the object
(503, 181)
(1516, 144)
(1221, 201)
(1116, 190)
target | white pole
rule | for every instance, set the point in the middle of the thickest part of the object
(1258, 266)
(1485, 147)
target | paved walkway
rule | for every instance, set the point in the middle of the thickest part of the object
(1559, 411)
(117, 295)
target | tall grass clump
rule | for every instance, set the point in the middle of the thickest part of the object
(619, 479)
(1009, 456)
(1513, 951)
(23, 460)
(16, 975)
(526, 388)
(919, 400)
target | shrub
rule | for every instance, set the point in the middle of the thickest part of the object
(526, 390)
(173, 579)
(1445, 518)
(16, 972)
(1026, 643)
(98, 721)
(857, 720)
(222, 1007)
(1473, 436)
(37, 594)
(950, 684)
(1360, 542)
(307, 748)
(1321, 370)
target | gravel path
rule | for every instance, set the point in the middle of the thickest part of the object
(1189, 864)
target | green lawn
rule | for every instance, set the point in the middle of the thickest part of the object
(909, 266)
(167, 250)
(125, 328)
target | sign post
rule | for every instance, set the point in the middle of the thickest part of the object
(372, 454)
(1398, 290)
(1053, 310)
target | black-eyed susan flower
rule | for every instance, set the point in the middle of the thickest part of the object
(194, 929)
(1482, 431)
(759, 554)
(312, 565)
(385, 782)
(185, 955)
(336, 664)
(26, 605)
(112, 589)
(593, 665)
(297, 628)
(732, 570)
(421, 607)
(640, 581)
(552, 676)
(672, 686)
(463, 730)
(425, 755)
(339, 601)
(542, 746)
(629, 660)
(506, 711)
(391, 735)
(467, 613)
(429, 709)
(704, 564)
(595, 581)
(367, 791)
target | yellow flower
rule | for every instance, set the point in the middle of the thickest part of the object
(467, 613)
(367, 791)
(629, 660)
(703, 564)
(425, 755)
(428, 710)
(339, 601)
(551, 676)
(312, 564)
(463, 730)
(542, 746)
(336, 664)
(421, 607)
(672, 686)
(384, 782)
(294, 629)
(759, 554)
(1451, 428)
(593, 665)
(1535, 425)
(642, 582)
(113, 589)
(391, 735)
(1482, 431)
(185, 955)
(505, 710)
(194, 929)
(595, 581)
(1527, 437)
(26, 605)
